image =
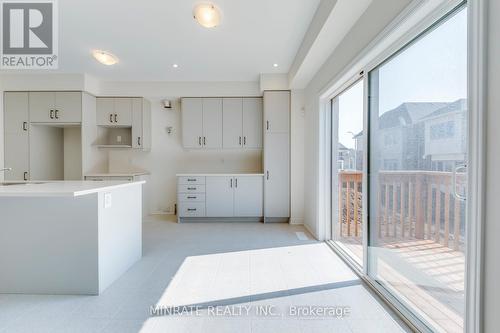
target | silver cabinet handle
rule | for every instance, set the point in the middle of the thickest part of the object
(56, 114)
(240, 141)
(236, 182)
(191, 179)
(190, 197)
(25, 175)
(267, 174)
(51, 114)
(199, 140)
(244, 140)
(191, 188)
(25, 126)
(204, 141)
(191, 209)
(267, 125)
(111, 118)
(138, 140)
(231, 184)
(116, 118)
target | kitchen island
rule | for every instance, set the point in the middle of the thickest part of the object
(68, 237)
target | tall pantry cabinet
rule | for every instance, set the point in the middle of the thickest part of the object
(276, 156)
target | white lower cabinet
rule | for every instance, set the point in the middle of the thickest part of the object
(220, 196)
(248, 199)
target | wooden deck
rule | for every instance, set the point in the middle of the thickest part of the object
(417, 248)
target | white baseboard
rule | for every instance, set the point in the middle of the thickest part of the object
(310, 231)
(297, 220)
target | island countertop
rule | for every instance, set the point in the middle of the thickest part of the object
(60, 188)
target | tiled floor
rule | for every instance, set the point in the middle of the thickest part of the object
(222, 270)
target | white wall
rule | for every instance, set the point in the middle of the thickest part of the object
(376, 17)
(297, 157)
(492, 228)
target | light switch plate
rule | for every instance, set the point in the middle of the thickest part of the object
(107, 200)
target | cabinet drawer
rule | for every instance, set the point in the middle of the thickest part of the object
(191, 209)
(183, 188)
(191, 197)
(191, 180)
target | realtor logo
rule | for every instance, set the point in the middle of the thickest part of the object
(29, 34)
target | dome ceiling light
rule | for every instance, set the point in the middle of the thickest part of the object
(207, 15)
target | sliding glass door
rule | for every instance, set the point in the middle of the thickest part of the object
(347, 170)
(417, 158)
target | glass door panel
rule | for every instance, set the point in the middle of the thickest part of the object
(347, 174)
(417, 163)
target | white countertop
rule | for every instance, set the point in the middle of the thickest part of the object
(218, 174)
(61, 188)
(117, 174)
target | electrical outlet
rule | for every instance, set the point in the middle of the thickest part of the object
(108, 200)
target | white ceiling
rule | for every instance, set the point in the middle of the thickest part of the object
(150, 35)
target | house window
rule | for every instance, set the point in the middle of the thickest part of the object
(443, 130)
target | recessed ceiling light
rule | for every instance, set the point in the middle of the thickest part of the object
(207, 15)
(104, 57)
(175, 65)
(275, 65)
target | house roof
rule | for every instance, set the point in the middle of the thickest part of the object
(458, 105)
(408, 113)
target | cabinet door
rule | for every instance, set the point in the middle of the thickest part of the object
(192, 122)
(232, 119)
(137, 138)
(123, 112)
(277, 175)
(219, 196)
(146, 125)
(16, 116)
(252, 122)
(248, 196)
(277, 111)
(42, 107)
(212, 122)
(105, 111)
(68, 107)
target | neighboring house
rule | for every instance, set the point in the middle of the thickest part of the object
(346, 158)
(445, 136)
(419, 136)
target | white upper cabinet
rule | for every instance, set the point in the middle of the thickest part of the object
(212, 123)
(105, 111)
(252, 123)
(123, 112)
(229, 123)
(141, 123)
(277, 111)
(232, 119)
(192, 122)
(242, 123)
(202, 123)
(60, 107)
(114, 112)
(16, 124)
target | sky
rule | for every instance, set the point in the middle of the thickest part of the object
(433, 69)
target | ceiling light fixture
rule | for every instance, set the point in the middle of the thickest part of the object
(207, 15)
(104, 57)
(175, 66)
(275, 65)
